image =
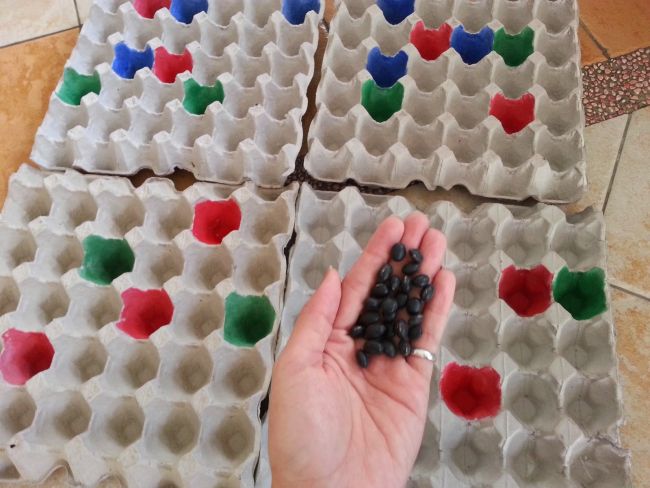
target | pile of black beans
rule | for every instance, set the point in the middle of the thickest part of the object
(391, 319)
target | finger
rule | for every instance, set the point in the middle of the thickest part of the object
(436, 314)
(361, 277)
(415, 226)
(314, 324)
(433, 246)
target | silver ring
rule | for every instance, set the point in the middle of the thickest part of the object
(424, 354)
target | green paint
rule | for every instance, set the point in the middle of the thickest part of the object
(75, 86)
(382, 103)
(248, 319)
(514, 49)
(199, 97)
(582, 294)
(105, 259)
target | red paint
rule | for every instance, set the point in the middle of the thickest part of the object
(471, 393)
(526, 291)
(213, 221)
(167, 65)
(431, 43)
(514, 114)
(144, 312)
(24, 355)
(148, 8)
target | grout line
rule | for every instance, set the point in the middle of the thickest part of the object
(616, 163)
(602, 48)
(76, 9)
(24, 41)
(630, 292)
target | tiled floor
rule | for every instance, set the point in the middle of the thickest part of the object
(616, 87)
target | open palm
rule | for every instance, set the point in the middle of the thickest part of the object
(333, 424)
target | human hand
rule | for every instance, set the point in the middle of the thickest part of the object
(332, 423)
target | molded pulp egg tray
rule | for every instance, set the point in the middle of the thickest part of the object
(140, 87)
(480, 93)
(529, 390)
(138, 327)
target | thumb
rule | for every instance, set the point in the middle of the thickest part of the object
(314, 324)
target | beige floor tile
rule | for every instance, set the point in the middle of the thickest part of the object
(30, 73)
(25, 19)
(633, 346)
(603, 142)
(84, 9)
(628, 210)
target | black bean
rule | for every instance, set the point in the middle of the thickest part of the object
(427, 293)
(416, 320)
(357, 331)
(390, 330)
(380, 290)
(389, 317)
(421, 280)
(405, 348)
(401, 299)
(414, 306)
(389, 349)
(389, 306)
(415, 332)
(406, 285)
(385, 272)
(368, 318)
(411, 268)
(375, 331)
(401, 329)
(373, 347)
(393, 283)
(372, 304)
(398, 252)
(416, 255)
(362, 359)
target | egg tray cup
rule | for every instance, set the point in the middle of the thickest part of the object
(263, 62)
(179, 408)
(561, 402)
(444, 135)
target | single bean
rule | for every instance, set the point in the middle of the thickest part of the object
(373, 347)
(362, 359)
(416, 255)
(398, 252)
(384, 273)
(375, 331)
(411, 268)
(357, 331)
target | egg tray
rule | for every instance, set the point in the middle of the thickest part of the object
(180, 408)
(263, 62)
(443, 135)
(561, 402)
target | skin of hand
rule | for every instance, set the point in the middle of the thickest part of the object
(332, 423)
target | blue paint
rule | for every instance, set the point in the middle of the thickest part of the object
(472, 47)
(295, 11)
(185, 10)
(395, 11)
(128, 62)
(386, 70)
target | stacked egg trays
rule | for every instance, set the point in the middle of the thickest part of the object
(119, 124)
(146, 377)
(557, 423)
(445, 133)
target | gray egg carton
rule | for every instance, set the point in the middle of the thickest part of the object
(561, 400)
(443, 135)
(264, 63)
(178, 409)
